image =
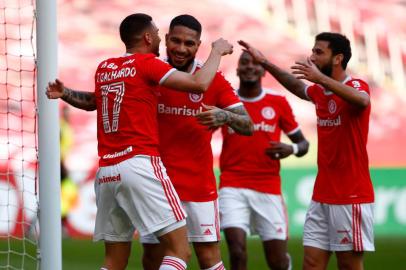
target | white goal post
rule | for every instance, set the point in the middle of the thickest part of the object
(48, 138)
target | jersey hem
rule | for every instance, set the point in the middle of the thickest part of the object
(360, 200)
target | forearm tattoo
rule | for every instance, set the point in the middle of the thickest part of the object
(82, 100)
(221, 117)
(240, 121)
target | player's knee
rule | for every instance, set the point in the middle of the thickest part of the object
(238, 252)
(116, 263)
(348, 265)
(278, 262)
(208, 257)
(310, 262)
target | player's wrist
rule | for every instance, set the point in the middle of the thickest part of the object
(65, 93)
(295, 149)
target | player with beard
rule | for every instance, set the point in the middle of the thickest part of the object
(185, 125)
(250, 185)
(340, 216)
(187, 155)
(132, 188)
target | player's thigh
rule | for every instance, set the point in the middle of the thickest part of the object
(203, 221)
(234, 209)
(316, 227)
(349, 260)
(147, 195)
(351, 227)
(112, 223)
(269, 216)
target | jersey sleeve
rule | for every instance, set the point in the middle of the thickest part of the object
(156, 70)
(287, 120)
(359, 85)
(226, 96)
(310, 92)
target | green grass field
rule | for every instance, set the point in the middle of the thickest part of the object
(84, 255)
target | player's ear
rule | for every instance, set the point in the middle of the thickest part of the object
(166, 38)
(337, 59)
(147, 37)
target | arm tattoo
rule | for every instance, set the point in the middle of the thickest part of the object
(239, 120)
(221, 117)
(82, 100)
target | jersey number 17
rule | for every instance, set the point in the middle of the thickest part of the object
(118, 89)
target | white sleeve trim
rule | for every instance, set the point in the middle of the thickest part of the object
(232, 106)
(172, 70)
(293, 131)
(363, 91)
(305, 91)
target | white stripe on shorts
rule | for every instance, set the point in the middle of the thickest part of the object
(168, 188)
(217, 218)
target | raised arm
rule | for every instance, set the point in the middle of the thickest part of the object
(279, 150)
(309, 71)
(200, 81)
(289, 81)
(237, 118)
(81, 100)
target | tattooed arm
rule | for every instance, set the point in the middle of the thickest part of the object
(237, 118)
(82, 100)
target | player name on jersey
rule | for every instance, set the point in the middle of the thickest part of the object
(115, 74)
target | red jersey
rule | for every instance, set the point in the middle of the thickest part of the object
(342, 129)
(126, 102)
(185, 144)
(243, 162)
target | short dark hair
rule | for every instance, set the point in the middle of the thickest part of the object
(338, 43)
(187, 21)
(132, 27)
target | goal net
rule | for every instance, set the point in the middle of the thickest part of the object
(18, 137)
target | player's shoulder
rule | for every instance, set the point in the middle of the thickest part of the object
(356, 82)
(198, 64)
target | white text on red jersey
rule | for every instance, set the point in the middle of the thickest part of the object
(184, 110)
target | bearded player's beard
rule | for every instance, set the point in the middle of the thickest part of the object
(327, 69)
(183, 68)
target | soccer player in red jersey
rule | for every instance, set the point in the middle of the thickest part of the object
(188, 153)
(132, 188)
(340, 217)
(250, 185)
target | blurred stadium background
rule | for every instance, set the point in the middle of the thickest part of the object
(284, 30)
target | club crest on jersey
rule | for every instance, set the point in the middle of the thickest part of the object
(332, 106)
(195, 97)
(268, 112)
